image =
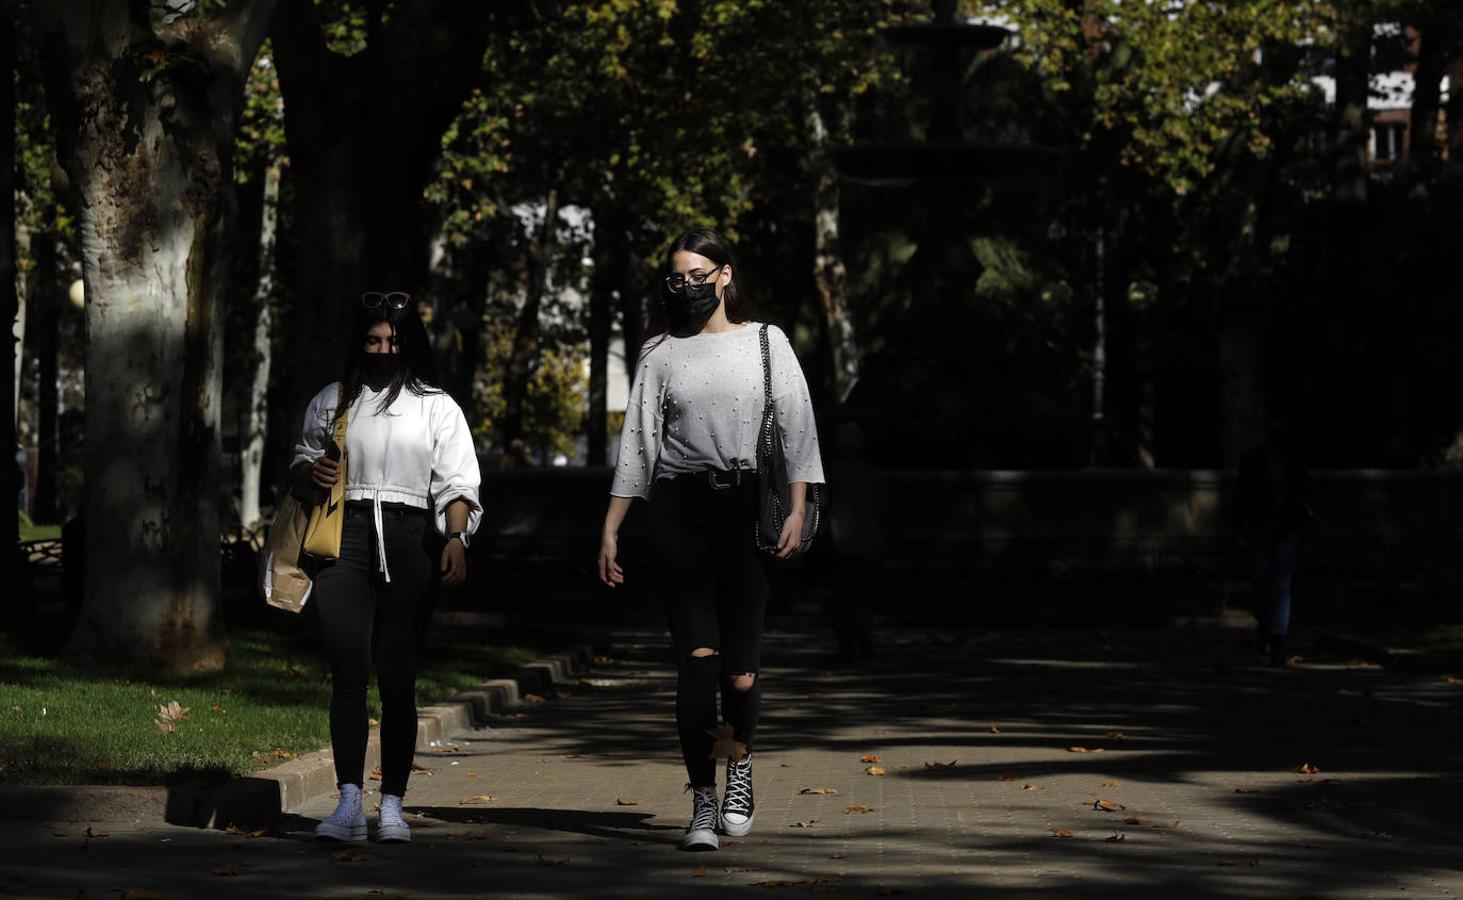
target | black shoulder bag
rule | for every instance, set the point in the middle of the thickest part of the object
(773, 490)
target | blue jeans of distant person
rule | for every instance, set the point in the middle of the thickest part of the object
(1272, 568)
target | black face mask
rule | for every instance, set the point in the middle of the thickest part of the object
(380, 368)
(692, 307)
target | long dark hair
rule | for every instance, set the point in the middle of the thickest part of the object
(418, 373)
(707, 243)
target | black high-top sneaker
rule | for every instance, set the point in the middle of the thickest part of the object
(737, 806)
(701, 833)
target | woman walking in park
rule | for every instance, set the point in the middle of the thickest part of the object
(689, 447)
(408, 461)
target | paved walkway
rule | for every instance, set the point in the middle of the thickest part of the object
(1192, 748)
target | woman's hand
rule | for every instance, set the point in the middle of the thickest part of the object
(609, 570)
(792, 534)
(454, 563)
(325, 472)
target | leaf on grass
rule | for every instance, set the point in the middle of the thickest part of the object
(1306, 768)
(724, 743)
(1107, 805)
(1109, 784)
(218, 710)
(228, 871)
(350, 856)
(1060, 832)
(1117, 838)
(281, 753)
(483, 798)
(859, 808)
(875, 770)
(869, 758)
(550, 861)
(619, 802)
(806, 823)
(698, 872)
(1007, 776)
(819, 790)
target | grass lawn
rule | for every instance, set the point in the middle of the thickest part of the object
(60, 724)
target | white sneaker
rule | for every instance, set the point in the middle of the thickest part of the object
(737, 808)
(348, 822)
(391, 828)
(701, 833)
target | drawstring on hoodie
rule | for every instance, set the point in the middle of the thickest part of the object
(380, 534)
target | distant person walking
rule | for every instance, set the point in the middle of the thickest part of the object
(1273, 523)
(409, 461)
(689, 447)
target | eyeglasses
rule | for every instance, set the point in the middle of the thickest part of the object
(677, 282)
(392, 299)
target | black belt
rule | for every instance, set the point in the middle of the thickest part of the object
(718, 479)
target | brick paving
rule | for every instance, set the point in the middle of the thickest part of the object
(1193, 746)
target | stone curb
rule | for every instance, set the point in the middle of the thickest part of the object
(266, 796)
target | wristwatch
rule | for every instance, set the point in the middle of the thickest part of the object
(461, 536)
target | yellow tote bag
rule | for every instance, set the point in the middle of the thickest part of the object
(322, 534)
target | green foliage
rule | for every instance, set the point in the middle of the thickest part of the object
(554, 406)
(260, 139)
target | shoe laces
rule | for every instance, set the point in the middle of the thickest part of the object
(738, 786)
(391, 810)
(348, 807)
(703, 808)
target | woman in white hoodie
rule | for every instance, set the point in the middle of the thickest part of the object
(409, 461)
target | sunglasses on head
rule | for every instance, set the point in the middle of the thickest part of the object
(392, 299)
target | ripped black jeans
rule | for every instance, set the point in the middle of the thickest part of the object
(713, 582)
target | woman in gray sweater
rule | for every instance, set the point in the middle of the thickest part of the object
(689, 448)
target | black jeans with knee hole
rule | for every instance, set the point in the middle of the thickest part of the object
(364, 618)
(713, 582)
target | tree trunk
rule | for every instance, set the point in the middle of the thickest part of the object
(1350, 129)
(829, 272)
(146, 103)
(10, 304)
(363, 132)
(526, 336)
(256, 429)
(1433, 44)
(610, 285)
(43, 302)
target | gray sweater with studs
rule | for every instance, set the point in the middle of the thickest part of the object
(696, 403)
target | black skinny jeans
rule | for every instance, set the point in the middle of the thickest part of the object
(713, 582)
(360, 612)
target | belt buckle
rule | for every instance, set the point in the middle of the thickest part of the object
(712, 475)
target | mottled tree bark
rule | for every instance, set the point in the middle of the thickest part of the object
(43, 301)
(256, 429)
(9, 300)
(829, 272)
(146, 103)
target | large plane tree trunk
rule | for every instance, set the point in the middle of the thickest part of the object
(147, 101)
(256, 428)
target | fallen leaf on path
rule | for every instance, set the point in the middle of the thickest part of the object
(484, 798)
(1107, 805)
(259, 833)
(472, 774)
(1133, 820)
(874, 770)
(1374, 835)
(603, 660)
(1246, 791)
(1117, 735)
(1005, 776)
(1360, 664)
(869, 758)
(1030, 787)
(228, 871)
(859, 808)
(698, 872)
(532, 698)
(1306, 769)
(281, 753)
(995, 729)
(1060, 832)
(619, 802)
(1447, 679)
(350, 856)
(418, 767)
(562, 695)
(375, 774)
(776, 883)
(940, 765)
(1232, 863)
(1116, 838)
(569, 756)
(373, 722)
(61, 832)
(836, 856)
(92, 833)
(548, 861)
(541, 760)
(1109, 784)
(807, 823)
(446, 749)
(519, 715)
(819, 790)
(1077, 750)
(815, 695)
(724, 743)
